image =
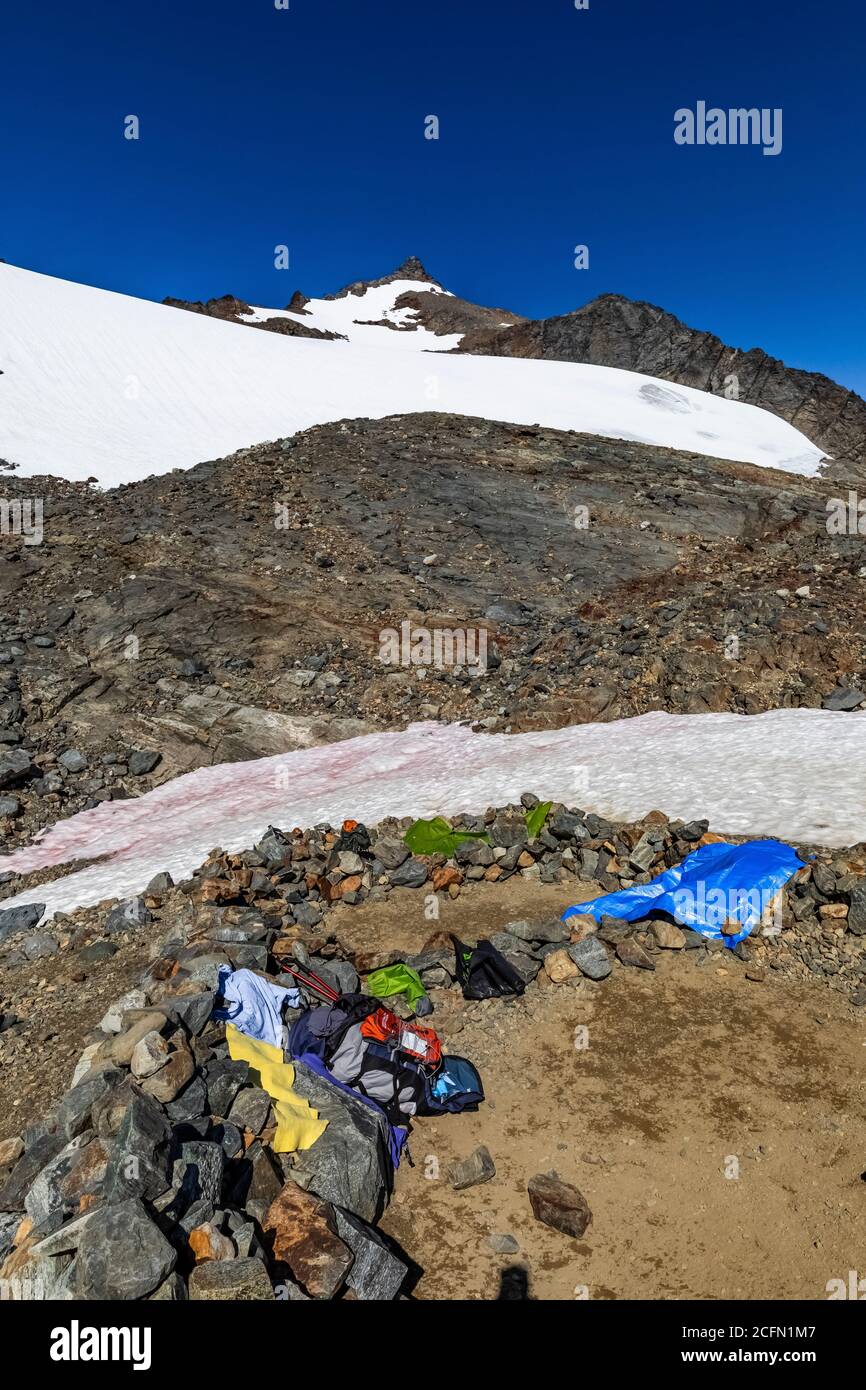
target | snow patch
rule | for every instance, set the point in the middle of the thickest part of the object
(794, 774)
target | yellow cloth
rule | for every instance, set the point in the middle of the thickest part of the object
(298, 1124)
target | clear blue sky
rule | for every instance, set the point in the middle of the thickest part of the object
(305, 127)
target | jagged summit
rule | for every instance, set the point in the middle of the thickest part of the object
(411, 269)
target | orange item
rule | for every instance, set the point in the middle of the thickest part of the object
(421, 1043)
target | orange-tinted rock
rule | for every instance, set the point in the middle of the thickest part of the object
(445, 876)
(304, 1234)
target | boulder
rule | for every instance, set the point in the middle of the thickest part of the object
(377, 1274)
(122, 1254)
(349, 1164)
(558, 1204)
(303, 1232)
(18, 919)
(139, 1161)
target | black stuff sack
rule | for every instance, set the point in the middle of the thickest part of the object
(484, 973)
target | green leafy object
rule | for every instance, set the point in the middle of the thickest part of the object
(437, 837)
(535, 818)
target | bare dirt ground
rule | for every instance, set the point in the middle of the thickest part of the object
(715, 1125)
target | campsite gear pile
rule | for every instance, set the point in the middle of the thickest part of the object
(391, 1062)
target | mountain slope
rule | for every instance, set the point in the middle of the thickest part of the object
(613, 331)
(234, 611)
(101, 385)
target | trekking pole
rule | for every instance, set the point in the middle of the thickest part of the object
(313, 982)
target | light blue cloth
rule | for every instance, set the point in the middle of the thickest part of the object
(718, 883)
(254, 1005)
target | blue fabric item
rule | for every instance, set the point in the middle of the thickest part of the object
(716, 884)
(454, 1078)
(397, 1134)
(254, 1005)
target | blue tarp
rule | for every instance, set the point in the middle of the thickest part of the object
(718, 883)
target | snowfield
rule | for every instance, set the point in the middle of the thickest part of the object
(796, 774)
(101, 385)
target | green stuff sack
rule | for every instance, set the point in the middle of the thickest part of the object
(396, 979)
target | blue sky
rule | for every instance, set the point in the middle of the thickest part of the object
(306, 127)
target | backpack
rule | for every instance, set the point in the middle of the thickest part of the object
(484, 973)
(321, 1030)
(372, 1050)
(455, 1087)
(421, 1044)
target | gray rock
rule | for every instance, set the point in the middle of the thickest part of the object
(67, 1238)
(231, 1281)
(16, 919)
(250, 1109)
(507, 612)
(191, 1102)
(377, 1274)
(340, 974)
(843, 698)
(9, 1223)
(58, 615)
(856, 909)
(565, 825)
(128, 915)
(172, 1290)
(9, 805)
(591, 958)
(160, 883)
(642, 856)
(73, 760)
(469, 1172)
(517, 954)
(412, 873)
(552, 930)
(193, 1010)
(348, 1164)
(391, 853)
(75, 1109)
(198, 1173)
(307, 914)
(45, 1195)
(40, 944)
(224, 1078)
(140, 763)
(139, 1163)
(122, 1254)
(503, 1244)
(14, 767)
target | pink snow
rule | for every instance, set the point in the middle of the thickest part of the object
(795, 774)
